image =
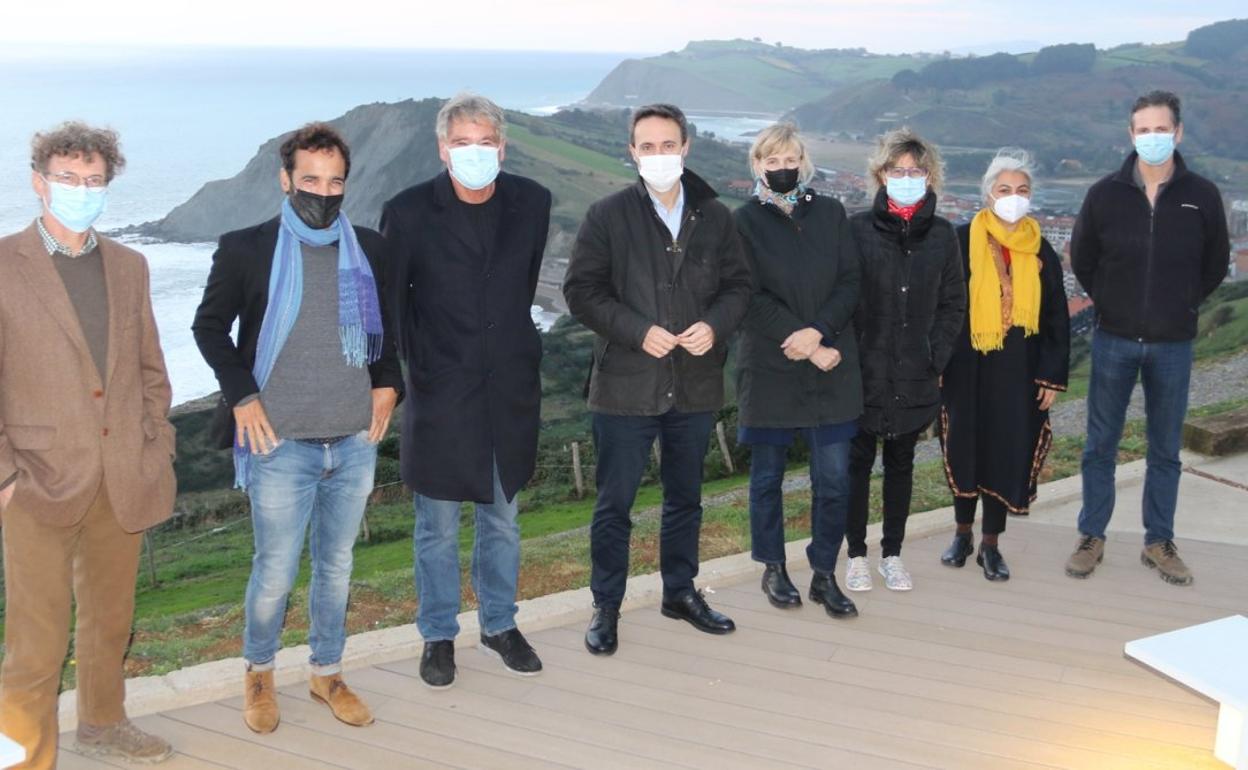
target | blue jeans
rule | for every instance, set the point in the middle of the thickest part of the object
(829, 481)
(495, 564)
(623, 444)
(296, 488)
(1165, 368)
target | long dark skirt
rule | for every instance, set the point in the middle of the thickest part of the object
(993, 434)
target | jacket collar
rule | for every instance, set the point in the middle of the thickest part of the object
(45, 281)
(444, 191)
(697, 191)
(1126, 174)
(887, 222)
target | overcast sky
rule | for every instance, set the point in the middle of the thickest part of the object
(651, 26)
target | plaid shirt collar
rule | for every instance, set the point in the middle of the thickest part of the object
(56, 247)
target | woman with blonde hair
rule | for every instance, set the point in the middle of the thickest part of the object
(797, 365)
(1010, 362)
(909, 312)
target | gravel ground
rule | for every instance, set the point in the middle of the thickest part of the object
(1212, 383)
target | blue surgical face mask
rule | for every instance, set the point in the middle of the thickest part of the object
(906, 191)
(474, 166)
(1155, 149)
(77, 208)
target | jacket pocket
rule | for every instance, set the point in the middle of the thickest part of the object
(34, 438)
(619, 359)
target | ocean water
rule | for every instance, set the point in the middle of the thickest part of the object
(189, 116)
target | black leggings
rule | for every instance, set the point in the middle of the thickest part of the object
(994, 513)
(898, 463)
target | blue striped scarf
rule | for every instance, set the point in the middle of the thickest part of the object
(359, 308)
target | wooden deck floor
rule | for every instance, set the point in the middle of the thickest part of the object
(959, 673)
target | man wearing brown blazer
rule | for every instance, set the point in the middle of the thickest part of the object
(86, 452)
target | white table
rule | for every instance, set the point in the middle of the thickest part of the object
(1212, 659)
(11, 752)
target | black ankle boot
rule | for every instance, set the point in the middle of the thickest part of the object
(958, 551)
(778, 589)
(823, 590)
(991, 560)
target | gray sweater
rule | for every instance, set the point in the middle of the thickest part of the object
(313, 392)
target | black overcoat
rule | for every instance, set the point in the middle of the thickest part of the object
(805, 273)
(994, 436)
(467, 334)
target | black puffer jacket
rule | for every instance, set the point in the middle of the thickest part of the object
(805, 271)
(910, 309)
(627, 274)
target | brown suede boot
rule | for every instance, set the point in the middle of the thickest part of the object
(123, 740)
(260, 702)
(1164, 558)
(1089, 553)
(346, 705)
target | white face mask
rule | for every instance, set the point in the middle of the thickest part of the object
(661, 172)
(1011, 208)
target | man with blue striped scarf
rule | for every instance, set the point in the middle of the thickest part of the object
(310, 386)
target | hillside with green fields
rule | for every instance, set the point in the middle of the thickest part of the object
(742, 76)
(1067, 103)
(579, 155)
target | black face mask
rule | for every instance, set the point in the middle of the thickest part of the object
(782, 180)
(316, 211)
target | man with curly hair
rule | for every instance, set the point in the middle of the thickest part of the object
(86, 451)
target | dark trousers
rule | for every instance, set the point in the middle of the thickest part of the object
(829, 498)
(898, 485)
(994, 513)
(623, 445)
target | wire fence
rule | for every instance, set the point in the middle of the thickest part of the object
(576, 466)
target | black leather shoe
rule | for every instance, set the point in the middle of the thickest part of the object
(778, 589)
(958, 551)
(601, 637)
(437, 664)
(513, 650)
(825, 591)
(691, 607)
(994, 565)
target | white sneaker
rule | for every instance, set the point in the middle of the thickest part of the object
(858, 574)
(896, 578)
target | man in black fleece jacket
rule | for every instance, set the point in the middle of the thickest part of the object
(1150, 244)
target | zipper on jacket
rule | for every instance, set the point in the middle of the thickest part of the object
(1148, 268)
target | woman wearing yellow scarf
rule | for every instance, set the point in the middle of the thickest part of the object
(1008, 365)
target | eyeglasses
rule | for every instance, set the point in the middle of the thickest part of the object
(70, 179)
(901, 173)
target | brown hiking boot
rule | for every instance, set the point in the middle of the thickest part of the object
(1164, 558)
(1088, 554)
(260, 702)
(122, 740)
(346, 705)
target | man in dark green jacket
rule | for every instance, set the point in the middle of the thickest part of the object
(659, 274)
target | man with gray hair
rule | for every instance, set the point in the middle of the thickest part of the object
(467, 248)
(86, 452)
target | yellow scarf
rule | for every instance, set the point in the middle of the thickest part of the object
(989, 321)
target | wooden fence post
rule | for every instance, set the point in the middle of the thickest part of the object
(577, 476)
(151, 556)
(723, 447)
